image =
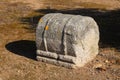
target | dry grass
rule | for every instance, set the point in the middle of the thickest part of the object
(17, 43)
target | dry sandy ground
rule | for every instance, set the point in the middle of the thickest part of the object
(17, 42)
(38, 4)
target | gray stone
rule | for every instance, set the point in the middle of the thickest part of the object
(67, 40)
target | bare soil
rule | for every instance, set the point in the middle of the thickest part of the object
(18, 20)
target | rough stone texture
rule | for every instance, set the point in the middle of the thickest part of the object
(67, 40)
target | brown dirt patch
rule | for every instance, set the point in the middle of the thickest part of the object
(18, 19)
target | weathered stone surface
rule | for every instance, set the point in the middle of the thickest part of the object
(67, 40)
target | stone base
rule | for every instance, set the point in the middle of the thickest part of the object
(67, 40)
(53, 58)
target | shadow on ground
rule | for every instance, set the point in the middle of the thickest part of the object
(107, 20)
(23, 47)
